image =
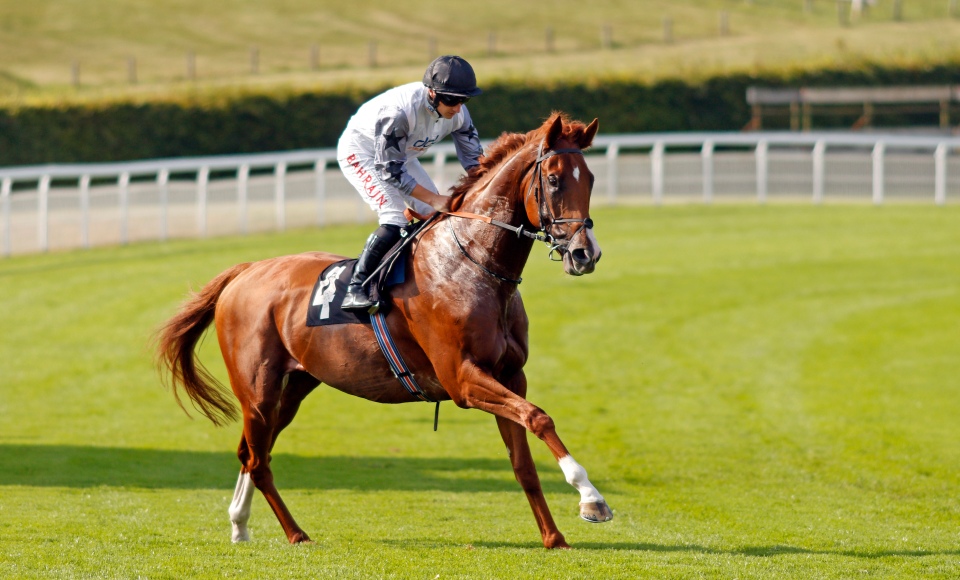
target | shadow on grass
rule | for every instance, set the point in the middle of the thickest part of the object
(754, 551)
(79, 466)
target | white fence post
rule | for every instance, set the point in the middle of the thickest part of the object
(819, 170)
(5, 190)
(280, 193)
(656, 171)
(706, 155)
(243, 194)
(940, 169)
(613, 174)
(124, 186)
(320, 188)
(203, 178)
(163, 179)
(85, 211)
(762, 171)
(878, 154)
(43, 213)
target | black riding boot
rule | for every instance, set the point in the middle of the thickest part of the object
(377, 245)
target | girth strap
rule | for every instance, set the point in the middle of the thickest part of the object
(389, 348)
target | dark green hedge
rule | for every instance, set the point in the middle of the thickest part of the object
(281, 122)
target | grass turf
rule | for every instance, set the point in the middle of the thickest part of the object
(758, 391)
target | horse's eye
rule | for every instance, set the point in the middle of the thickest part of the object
(552, 180)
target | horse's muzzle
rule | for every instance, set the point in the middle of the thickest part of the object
(582, 258)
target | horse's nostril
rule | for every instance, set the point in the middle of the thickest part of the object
(581, 256)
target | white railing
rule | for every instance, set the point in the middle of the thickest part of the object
(82, 205)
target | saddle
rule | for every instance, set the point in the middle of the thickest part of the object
(331, 285)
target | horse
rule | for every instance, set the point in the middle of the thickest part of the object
(457, 319)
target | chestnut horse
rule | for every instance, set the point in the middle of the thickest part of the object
(458, 321)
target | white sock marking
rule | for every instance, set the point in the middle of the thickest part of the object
(576, 476)
(240, 508)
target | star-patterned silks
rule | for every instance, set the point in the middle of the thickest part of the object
(393, 140)
(395, 169)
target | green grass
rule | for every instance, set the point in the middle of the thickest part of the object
(41, 40)
(759, 392)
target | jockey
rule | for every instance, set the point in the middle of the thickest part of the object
(378, 154)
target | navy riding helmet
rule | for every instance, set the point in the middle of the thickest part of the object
(451, 75)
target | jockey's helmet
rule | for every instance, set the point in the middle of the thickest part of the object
(451, 75)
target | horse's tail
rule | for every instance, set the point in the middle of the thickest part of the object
(176, 341)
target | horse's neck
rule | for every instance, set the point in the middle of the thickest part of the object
(501, 198)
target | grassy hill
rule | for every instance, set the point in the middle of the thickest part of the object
(132, 50)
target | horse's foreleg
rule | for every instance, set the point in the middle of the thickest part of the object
(515, 438)
(482, 391)
(593, 508)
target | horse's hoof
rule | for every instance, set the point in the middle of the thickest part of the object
(596, 512)
(555, 542)
(240, 534)
(300, 538)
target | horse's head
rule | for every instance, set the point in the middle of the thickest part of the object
(558, 193)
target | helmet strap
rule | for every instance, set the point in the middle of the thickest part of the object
(435, 102)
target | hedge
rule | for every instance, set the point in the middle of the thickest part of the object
(276, 122)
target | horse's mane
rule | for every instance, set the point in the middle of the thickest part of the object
(506, 145)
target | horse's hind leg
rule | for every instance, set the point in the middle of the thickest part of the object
(261, 398)
(240, 508)
(298, 386)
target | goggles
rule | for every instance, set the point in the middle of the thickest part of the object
(451, 100)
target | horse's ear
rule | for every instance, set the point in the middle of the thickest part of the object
(589, 133)
(556, 129)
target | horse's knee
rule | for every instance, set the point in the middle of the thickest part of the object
(539, 423)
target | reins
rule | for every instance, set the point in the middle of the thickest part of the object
(472, 259)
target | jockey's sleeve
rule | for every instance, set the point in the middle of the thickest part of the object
(467, 142)
(390, 149)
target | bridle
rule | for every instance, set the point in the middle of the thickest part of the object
(544, 216)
